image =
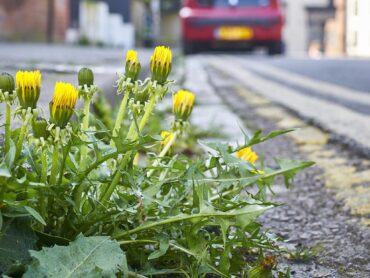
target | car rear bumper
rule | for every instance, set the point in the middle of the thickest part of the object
(206, 30)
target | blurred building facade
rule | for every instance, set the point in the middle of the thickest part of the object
(305, 22)
(103, 22)
(34, 20)
(358, 28)
(335, 30)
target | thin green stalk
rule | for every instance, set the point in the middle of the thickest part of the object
(164, 152)
(147, 114)
(44, 166)
(120, 116)
(54, 165)
(108, 193)
(43, 179)
(22, 134)
(85, 128)
(140, 241)
(7, 127)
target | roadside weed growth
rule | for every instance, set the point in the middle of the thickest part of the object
(91, 195)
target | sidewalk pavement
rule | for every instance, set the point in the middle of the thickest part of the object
(210, 112)
(62, 63)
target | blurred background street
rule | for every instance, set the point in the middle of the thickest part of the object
(253, 64)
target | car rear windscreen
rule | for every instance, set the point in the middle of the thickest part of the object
(233, 3)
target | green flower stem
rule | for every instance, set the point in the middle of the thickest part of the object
(146, 116)
(43, 179)
(7, 127)
(22, 134)
(120, 116)
(140, 241)
(164, 152)
(109, 191)
(85, 128)
(55, 164)
(44, 166)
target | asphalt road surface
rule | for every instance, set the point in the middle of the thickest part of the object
(334, 93)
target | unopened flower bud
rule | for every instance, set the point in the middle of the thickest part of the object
(183, 102)
(28, 88)
(133, 66)
(247, 154)
(39, 128)
(63, 103)
(161, 64)
(7, 83)
(85, 77)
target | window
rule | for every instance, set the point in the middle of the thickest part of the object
(237, 3)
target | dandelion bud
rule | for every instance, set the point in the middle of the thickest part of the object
(247, 154)
(28, 88)
(133, 66)
(6, 83)
(161, 64)
(183, 102)
(166, 137)
(39, 128)
(85, 77)
(63, 103)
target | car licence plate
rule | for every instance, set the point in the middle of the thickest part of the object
(232, 33)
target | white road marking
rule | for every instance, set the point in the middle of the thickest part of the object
(321, 87)
(336, 118)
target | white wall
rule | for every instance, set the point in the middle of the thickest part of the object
(358, 27)
(100, 26)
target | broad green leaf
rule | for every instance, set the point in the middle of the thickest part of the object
(97, 256)
(16, 238)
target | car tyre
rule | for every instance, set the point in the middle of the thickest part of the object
(276, 48)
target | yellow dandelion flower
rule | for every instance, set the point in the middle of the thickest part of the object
(183, 102)
(28, 88)
(161, 64)
(63, 103)
(166, 137)
(247, 154)
(133, 66)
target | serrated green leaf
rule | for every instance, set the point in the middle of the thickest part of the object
(85, 257)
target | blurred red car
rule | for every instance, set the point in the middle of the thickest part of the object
(232, 23)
